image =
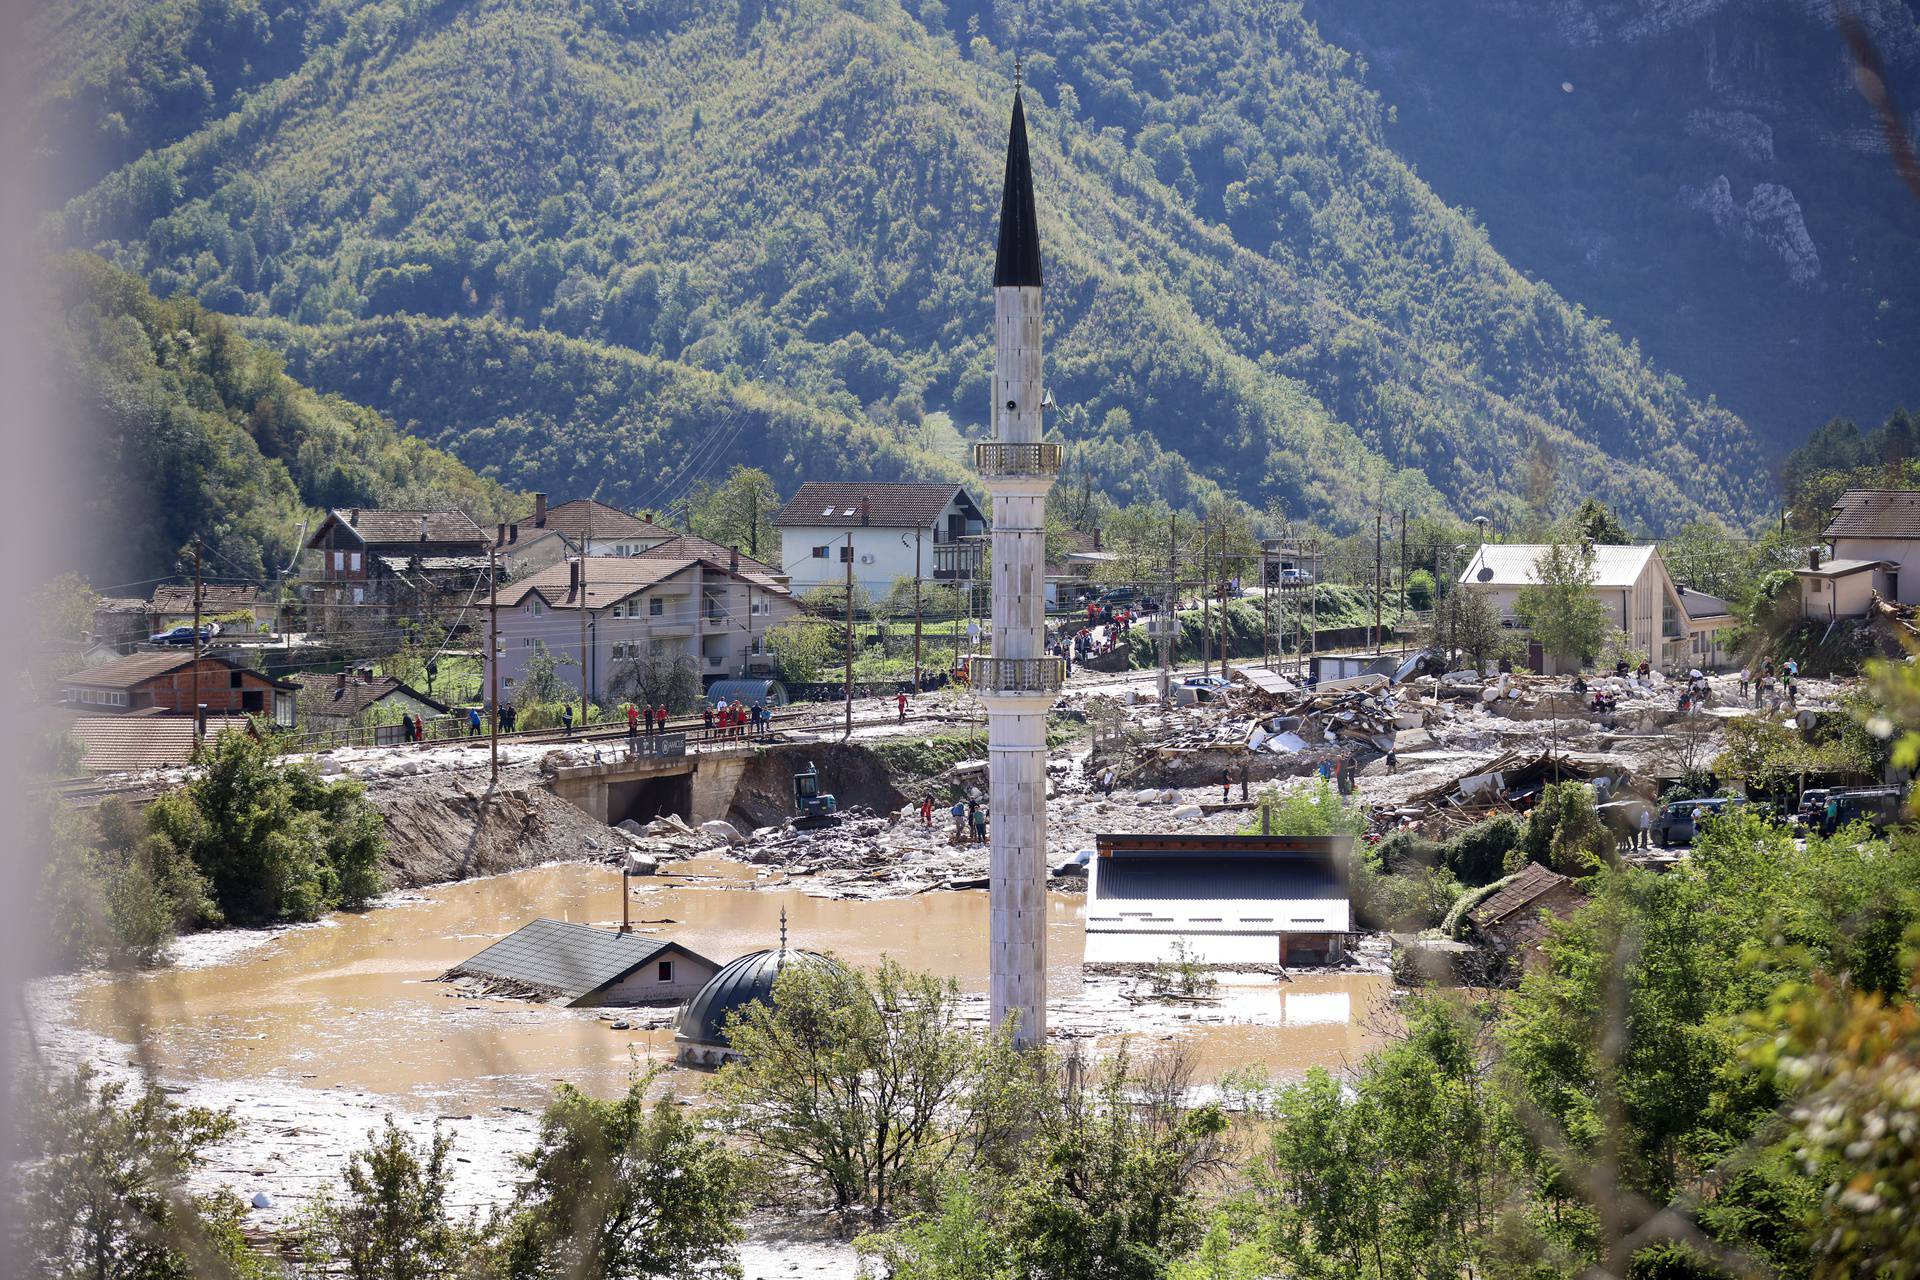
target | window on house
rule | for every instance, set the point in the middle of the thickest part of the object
(1816, 586)
(846, 555)
(526, 642)
(534, 607)
(656, 607)
(655, 648)
(819, 553)
(1893, 585)
(253, 701)
(353, 561)
(234, 680)
(339, 561)
(359, 595)
(666, 971)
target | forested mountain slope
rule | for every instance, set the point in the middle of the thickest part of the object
(1246, 287)
(190, 430)
(1706, 174)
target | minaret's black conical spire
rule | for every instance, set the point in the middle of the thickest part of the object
(1018, 261)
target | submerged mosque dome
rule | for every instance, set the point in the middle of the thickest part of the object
(700, 1028)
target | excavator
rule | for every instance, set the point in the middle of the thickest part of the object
(814, 810)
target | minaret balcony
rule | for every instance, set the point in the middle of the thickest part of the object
(1016, 675)
(998, 458)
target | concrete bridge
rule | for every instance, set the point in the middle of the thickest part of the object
(665, 776)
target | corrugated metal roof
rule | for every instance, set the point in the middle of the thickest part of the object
(570, 961)
(1513, 564)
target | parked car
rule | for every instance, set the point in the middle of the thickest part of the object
(1875, 806)
(1295, 577)
(1676, 823)
(183, 634)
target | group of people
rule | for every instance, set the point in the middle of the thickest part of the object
(1340, 771)
(1771, 691)
(733, 719)
(969, 818)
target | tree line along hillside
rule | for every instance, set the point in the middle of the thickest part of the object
(188, 430)
(1247, 290)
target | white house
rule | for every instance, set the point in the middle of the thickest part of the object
(1631, 581)
(1873, 548)
(713, 613)
(890, 531)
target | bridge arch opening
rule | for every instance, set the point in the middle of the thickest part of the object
(645, 799)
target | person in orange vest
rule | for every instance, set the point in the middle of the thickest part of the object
(633, 722)
(660, 716)
(901, 698)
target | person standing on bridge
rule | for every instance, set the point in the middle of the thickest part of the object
(633, 724)
(649, 714)
(660, 718)
(473, 722)
(406, 726)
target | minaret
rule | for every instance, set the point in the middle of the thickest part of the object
(1019, 681)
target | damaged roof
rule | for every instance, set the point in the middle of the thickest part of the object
(1531, 884)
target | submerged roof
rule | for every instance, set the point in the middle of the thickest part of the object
(1231, 897)
(1532, 883)
(1017, 263)
(557, 958)
(1514, 564)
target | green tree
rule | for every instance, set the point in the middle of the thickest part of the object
(1465, 622)
(1565, 832)
(738, 512)
(1592, 522)
(1559, 608)
(100, 1194)
(274, 841)
(1317, 809)
(622, 1190)
(389, 1220)
(866, 1087)
(803, 649)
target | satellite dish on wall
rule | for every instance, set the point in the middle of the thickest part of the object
(1485, 574)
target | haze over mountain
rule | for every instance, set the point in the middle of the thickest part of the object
(716, 206)
(1707, 175)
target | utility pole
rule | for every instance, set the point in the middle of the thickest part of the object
(753, 523)
(1266, 612)
(847, 556)
(586, 544)
(1403, 564)
(493, 659)
(1206, 599)
(1376, 579)
(199, 722)
(1170, 623)
(916, 610)
(1225, 584)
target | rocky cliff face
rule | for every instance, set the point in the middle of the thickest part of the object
(1705, 172)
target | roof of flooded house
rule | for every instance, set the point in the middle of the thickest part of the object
(1515, 564)
(129, 743)
(555, 958)
(1532, 883)
(1227, 895)
(741, 982)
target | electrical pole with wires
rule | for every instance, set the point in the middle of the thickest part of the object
(493, 657)
(846, 557)
(199, 720)
(586, 545)
(1206, 598)
(1378, 568)
(1225, 584)
(916, 610)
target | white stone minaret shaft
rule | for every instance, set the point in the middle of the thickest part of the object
(1018, 683)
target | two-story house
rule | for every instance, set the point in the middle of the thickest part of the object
(174, 682)
(710, 613)
(886, 531)
(368, 567)
(1632, 582)
(1872, 548)
(551, 534)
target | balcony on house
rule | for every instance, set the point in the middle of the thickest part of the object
(1000, 458)
(960, 560)
(1016, 675)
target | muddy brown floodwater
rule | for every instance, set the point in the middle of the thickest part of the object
(351, 1004)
